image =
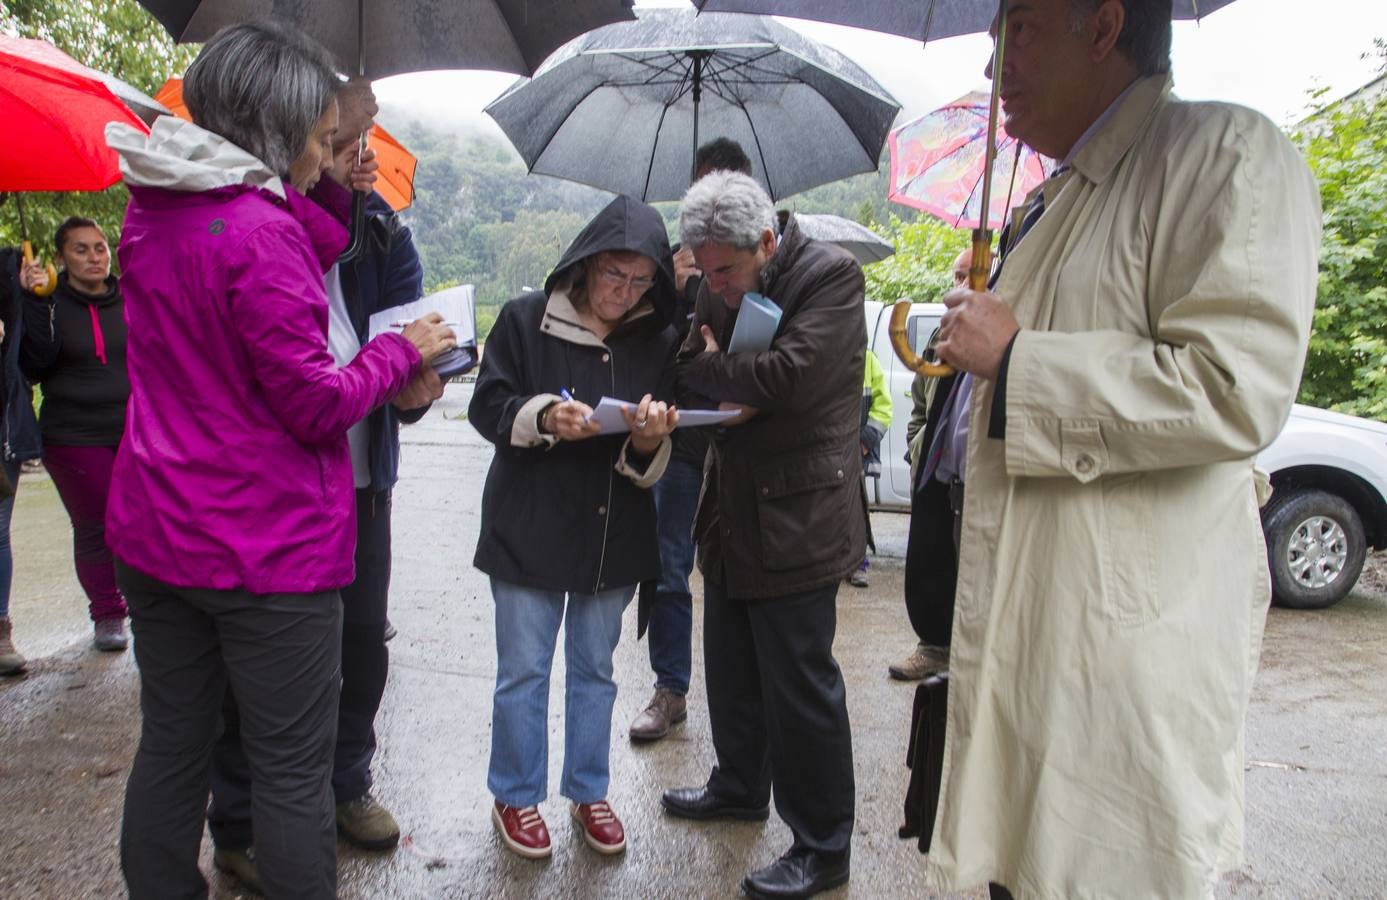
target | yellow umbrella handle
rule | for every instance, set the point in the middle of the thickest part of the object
(52, 284)
(900, 342)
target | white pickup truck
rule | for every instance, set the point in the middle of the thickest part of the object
(1329, 472)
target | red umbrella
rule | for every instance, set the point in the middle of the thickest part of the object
(937, 164)
(55, 112)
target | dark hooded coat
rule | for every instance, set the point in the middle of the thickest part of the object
(574, 516)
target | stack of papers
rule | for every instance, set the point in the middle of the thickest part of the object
(458, 309)
(757, 322)
(607, 413)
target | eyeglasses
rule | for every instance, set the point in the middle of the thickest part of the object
(620, 280)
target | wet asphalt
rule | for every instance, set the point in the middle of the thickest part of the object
(1316, 788)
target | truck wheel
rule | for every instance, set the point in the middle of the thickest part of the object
(1315, 547)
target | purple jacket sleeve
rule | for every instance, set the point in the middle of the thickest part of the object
(279, 306)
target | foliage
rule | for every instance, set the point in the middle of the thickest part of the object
(1346, 146)
(922, 268)
(114, 36)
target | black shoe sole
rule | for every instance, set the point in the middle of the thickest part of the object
(740, 813)
(836, 881)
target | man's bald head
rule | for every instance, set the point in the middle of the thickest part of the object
(962, 263)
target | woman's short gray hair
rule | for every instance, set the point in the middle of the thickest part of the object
(261, 85)
(725, 208)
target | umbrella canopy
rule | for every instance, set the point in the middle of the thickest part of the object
(937, 164)
(927, 20)
(859, 240)
(623, 108)
(377, 38)
(397, 164)
(55, 112)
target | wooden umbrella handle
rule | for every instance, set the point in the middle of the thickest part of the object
(52, 285)
(900, 342)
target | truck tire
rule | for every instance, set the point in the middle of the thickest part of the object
(1315, 547)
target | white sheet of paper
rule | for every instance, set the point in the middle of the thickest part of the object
(455, 305)
(607, 413)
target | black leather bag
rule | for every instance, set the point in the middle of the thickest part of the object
(925, 759)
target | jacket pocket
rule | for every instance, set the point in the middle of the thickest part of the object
(1129, 569)
(802, 510)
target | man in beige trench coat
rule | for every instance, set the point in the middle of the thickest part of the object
(1143, 341)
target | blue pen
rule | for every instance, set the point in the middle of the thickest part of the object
(564, 393)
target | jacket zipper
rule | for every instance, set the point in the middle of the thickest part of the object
(607, 517)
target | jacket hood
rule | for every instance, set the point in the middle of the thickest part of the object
(179, 156)
(625, 224)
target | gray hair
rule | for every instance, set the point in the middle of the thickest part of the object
(1146, 32)
(263, 86)
(725, 208)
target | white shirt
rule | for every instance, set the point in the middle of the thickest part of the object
(344, 345)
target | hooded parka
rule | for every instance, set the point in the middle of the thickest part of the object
(1112, 585)
(574, 516)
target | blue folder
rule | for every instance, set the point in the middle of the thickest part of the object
(757, 322)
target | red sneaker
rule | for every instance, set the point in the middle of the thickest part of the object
(522, 830)
(601, 828)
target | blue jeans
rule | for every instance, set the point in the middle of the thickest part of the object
(6, 555)
(527, 628)
(671, 613)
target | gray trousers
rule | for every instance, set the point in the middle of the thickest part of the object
(281, 656)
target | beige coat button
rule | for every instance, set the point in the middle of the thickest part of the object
(1084, 463)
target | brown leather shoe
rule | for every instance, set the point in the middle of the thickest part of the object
(923, 661)
(666, 708)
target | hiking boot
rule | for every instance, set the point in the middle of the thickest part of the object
(923, 661)
(367, 824)
(601, 828)
(522, 829)
(666, 708)
(11, 660)
(240, 864)
(110, 635)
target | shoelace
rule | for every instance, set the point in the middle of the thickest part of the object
(600, 813)
(528, 817)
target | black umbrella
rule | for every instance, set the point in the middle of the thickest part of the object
(624, 107)
(377, 38)
(925, 20)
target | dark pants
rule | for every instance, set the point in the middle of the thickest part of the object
(779, 712)
(279, 654)
(12, 467)
(364, 666)
(671, 613)
(82, 476)
(931, 564)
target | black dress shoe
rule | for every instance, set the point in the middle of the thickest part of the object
(701, 803)
(799, 873)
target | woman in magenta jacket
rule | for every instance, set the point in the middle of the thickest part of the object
(231, 513)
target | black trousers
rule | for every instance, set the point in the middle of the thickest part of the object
(931, 564)
(279, 654)
(365, 664)
(778, 710)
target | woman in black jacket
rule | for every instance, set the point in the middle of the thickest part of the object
(74, 347)
(567, 512)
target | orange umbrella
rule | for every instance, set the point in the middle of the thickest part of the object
(396, 181)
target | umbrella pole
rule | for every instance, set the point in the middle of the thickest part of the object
(357, 243)
(981, 267)
(698, 57)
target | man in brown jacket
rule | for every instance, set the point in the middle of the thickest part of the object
(779, 525)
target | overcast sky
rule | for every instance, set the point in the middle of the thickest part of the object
(1262, 53)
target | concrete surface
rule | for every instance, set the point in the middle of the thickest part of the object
(1316, 783)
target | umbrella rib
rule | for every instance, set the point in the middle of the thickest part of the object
(760, 152)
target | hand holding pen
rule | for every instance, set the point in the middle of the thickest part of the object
(569, 420)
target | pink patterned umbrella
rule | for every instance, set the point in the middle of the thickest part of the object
(937, 165)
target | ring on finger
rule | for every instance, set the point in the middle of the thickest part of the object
(640, 423)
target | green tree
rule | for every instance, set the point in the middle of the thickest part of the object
(922, 268)
(1346, 368)
(114, 36)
